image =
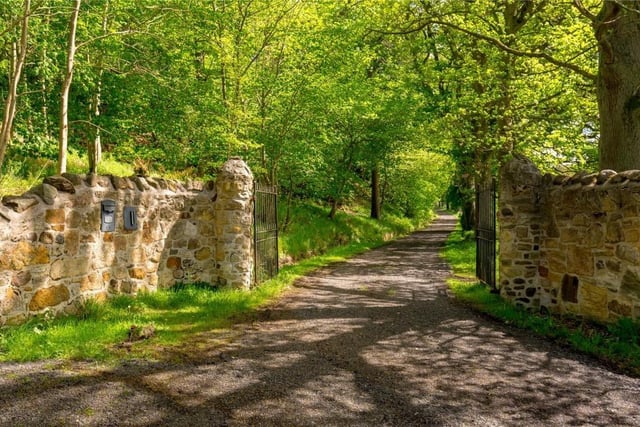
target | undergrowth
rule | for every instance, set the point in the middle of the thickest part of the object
(616, 344)
(20, 174)
(311, 232)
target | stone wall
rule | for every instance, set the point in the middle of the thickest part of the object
(53, 254)
(570, 244)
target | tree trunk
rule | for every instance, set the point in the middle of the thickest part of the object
(334, 209)
(467, 219)
(375, 193)
(45, 99)
(617, 29)
(66, 86)
(95, 147)
(14, 79)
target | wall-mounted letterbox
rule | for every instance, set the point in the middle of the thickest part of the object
(108, 215)
(130, 218)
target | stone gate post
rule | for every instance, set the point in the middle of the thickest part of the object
(520, 232)
(234, 221)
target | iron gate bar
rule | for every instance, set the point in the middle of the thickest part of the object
(265, 246)
(486, 235)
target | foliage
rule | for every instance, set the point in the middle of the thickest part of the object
(316, 96)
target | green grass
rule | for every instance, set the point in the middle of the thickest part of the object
(311, 232)
(185, 313)
(460, 253)
(22, 174)
(616, 344)
(177, 315)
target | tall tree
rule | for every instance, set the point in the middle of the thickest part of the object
(617, 31)
(66, 86)
(18, 58)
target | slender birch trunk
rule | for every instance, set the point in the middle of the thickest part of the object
(95, 147)
(66, 86)
(14, 78)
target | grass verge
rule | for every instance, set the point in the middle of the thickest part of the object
(180, 316)
(310, 232)
(617, 345)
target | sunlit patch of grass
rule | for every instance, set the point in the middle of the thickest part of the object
(20, 175)
(110, 166)
(311, 231)
(459, 251)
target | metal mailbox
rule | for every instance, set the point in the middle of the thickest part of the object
(130, 218)
(108, 215)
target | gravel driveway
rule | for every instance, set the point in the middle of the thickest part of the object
(373, 341)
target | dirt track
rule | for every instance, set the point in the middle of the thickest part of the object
(374, 341)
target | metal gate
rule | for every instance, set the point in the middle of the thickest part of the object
(265, 232)
(486, 234)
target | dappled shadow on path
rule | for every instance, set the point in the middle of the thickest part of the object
(372, 341)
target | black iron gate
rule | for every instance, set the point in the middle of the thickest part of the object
(486, 234)
(265, 232)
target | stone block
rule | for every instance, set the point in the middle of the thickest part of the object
(91, 220)
(557, 261)
(137, 273)
(74, 219)
(23, 254)
(610, 203)
(19, 203)
(630, 284)
(138, 255)
(69, 267)
(21, 278)
(9, 300)
(568, 235)
(128, 287)
(174, 263)
(60, 183)
(593, 301)
(49, 297)
(615, 233)
(596, 234)
(613, 265)
(47, 192)
(121, 242)
(71, 242)
(120, 272)
(631, 235)
(629, 253)
(55, 216)
(120, 183)
(620, 308)
(203, 254)
(580, 261)
(90, 283)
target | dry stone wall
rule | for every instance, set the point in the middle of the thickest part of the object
(570, 244)
(53, 254)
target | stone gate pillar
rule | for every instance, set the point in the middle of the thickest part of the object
(234, 222)
(520, 232)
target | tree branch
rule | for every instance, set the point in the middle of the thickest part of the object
(104, 36)
(583, 10)
(502, 46)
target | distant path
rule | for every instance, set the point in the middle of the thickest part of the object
(369, 342)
